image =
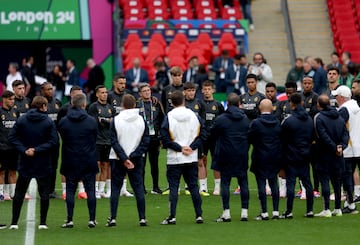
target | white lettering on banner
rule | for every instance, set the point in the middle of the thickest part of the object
(46, 17)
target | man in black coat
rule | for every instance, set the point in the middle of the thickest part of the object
(264, 135)
(297, 136)
(79, 131)
(34, 136)
(230, 131)
(333, 138)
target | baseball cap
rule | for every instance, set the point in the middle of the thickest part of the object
(343, 91)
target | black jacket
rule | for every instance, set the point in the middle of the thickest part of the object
(265, 136)
(34, 130)
(78, 131)
(330, 131)
(297, 136)
(230, 130)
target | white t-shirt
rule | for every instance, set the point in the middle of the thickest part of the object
(10, 78)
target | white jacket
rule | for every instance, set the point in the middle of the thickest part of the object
(130, 127)
(353, 125)
(184, 127)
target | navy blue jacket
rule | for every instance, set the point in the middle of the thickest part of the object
(330, 131)
(230, 130)
(230, 75)
(34, 130)
(297, 136)
(78, 131)
(265, 136)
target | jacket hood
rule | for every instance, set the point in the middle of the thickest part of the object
(268, 119)
(130, 115)
(76, 114)
(180, 114)
(300, 113)
(330, 112)
(35, 115)
(235, 112)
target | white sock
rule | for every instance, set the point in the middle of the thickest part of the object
(1, 189)
(357, 190)
(63, 187)
(244, 212)
(12, 189)
(346, 204)
(203, 184)
(123, 188)
(6, 188)
(81, 187)
(226, 213)
(267, 185)
(101, 186)
(303, 190)
(96, 186)
(217, 184)
(108, 185)
(282, 184)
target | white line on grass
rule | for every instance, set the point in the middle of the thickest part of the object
(30, 216)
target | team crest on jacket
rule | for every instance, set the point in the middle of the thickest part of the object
(2, 117)
(213, 108)
(15, 107)
(56, 106)
(27, 106)
(196, 107)
(310, 101)
(114, 102)
(256, 99)
(14, 114)
(109, 111)
(274, 108)
(99, 111)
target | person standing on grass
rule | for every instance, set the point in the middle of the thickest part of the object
(153, 114)
(212, 109)
(9, 155)
(265, 136)
(297, 136)
(130, 139)
(103, 113)
(230, 132)
(332, 138)
(350, 111)
(182, 133)
(79, 131)
(34, 136)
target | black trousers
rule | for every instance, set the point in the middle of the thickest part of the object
(22, 185)
(153, 152)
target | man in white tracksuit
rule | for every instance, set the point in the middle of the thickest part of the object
(350, 112)
(129, 140)
(182, 133)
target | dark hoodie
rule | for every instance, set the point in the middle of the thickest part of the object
(230, 131)
(265, 136)
(330, 131)
(297, 136)
(34, 130)
(78, 131)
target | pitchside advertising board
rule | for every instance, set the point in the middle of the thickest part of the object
(44, 20)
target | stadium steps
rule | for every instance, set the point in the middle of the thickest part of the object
(270, 37)
(311, 28)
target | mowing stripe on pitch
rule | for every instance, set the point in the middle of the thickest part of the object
(30, 215)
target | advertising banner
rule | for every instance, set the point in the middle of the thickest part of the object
(44, 20)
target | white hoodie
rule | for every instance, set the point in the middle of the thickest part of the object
(184, 127)
(353, 125)
(130, 127)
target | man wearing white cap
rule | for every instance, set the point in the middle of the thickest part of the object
(350, 111)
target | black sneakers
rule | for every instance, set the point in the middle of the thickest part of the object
(92, 224)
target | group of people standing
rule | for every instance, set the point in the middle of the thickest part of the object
(116, 132)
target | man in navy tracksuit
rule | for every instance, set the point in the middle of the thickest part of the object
(34, 136)
(79, 131)
(230, 131)
(332, 139)
(297, 136)
(264, 135)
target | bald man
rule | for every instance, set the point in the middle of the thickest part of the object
(264, 135)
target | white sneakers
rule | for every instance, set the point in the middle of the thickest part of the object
(126, 194)
(325, 213)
